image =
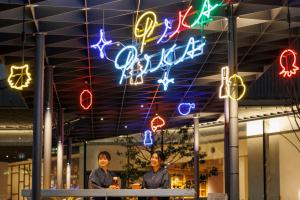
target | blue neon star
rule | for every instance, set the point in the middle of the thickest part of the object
(101, 44)
(166, 81)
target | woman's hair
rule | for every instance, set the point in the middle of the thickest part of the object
(160, 155)
(104, 153)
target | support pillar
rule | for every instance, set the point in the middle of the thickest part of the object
(38, 116)
(60, 149)
(266, 161)
(48, 127)
(196, 156)
(69, 164)
(233, 143)
(84, 166)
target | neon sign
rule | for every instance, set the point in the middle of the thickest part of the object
(134, 63)
(287, 61)
(181, 22)
(101, 44)
(19, 77)
(168, 26)
(165, 81)
(157, 122)
(224, 88)
(128, 56)
(236, 80)
(185, 108)
(86, 99)
(204, 15)
(229, 84)
(150, 23)
(148, 138)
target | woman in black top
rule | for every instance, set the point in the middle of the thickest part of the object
(158, 176)
(102, 178)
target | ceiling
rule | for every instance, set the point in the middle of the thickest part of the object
(71, 26)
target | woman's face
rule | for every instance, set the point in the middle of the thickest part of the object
(103, 161)
(155, 160)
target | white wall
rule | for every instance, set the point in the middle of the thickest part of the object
(289, 169)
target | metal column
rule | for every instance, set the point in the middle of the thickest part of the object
(233, 146)
(226, 147)
(69, 164)
(60, 149)
(266, 160)
(84, 166)
(196, 156)
(38, 116)
(48, 127)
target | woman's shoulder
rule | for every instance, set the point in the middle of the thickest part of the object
(94, 171)
(164, 170)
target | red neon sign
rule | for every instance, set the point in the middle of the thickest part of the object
(181, 22)
(156, 123)
(86, 99)
(287, 63)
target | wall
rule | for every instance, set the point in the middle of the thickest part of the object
(289, 169)
(3, 180)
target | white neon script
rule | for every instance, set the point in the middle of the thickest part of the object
(128, 56)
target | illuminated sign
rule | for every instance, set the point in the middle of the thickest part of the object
(149, 20)
(205, 13)
(101, 44)
(135, 63)
(19, 77)
(128, 56)
(157, 123)
(287, 61)
(148, 138)
(224, 89)
(185, 108)
(86, 99)
(229, 84)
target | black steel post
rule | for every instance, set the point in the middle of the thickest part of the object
(196, 156)
(266, 160)
(84, 166)
(38, 116)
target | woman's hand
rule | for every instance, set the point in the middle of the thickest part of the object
(114, 187)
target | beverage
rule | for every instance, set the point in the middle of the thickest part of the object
(115, 181)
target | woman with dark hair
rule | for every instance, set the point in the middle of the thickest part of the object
(102, 177)
(158, 176)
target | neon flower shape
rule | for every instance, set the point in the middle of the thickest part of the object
(204, 16)
(288, 69)
(156, 123)
(236, 81)
(101, 44)
(224, 89)
(181, 22)
(148, 138)
(19, 77)
(185, 108)
(86, 99)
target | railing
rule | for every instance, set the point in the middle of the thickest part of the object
(114, 193)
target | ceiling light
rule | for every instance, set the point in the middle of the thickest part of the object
(125, 126)
(142, 106)
(101, 118)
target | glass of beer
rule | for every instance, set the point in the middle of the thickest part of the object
(115, 181)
